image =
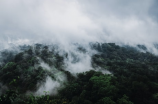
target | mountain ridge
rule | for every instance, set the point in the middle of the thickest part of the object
(130, 75)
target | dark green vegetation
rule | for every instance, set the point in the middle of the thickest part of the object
(134, 78)
(24, 71)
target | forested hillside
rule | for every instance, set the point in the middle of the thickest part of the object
(119, 75)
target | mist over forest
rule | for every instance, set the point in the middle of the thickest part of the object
(78, 52)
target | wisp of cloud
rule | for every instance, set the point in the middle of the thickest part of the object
(79, 21)
(65, 22)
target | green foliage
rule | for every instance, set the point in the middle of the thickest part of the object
(124, 100)
(9, 66)
(133, 80)
(12, 97)
(102, 86)
(90, 87)
(25, 71)
(135, 72)
(106, 100)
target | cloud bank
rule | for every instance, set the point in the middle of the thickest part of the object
(66, 22)
(78, 21)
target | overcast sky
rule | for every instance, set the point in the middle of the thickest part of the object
(79, 21)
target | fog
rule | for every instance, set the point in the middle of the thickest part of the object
(78, 21)
(65, 22)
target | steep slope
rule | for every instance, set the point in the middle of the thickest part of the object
(120, 75)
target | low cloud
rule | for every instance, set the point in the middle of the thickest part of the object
(78, 21)
(49, 87)
(65, 22)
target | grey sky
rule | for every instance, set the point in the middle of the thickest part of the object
(82, 21)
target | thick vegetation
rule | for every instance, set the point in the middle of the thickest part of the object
(133, 78)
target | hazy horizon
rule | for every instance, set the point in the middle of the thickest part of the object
(59, 21)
